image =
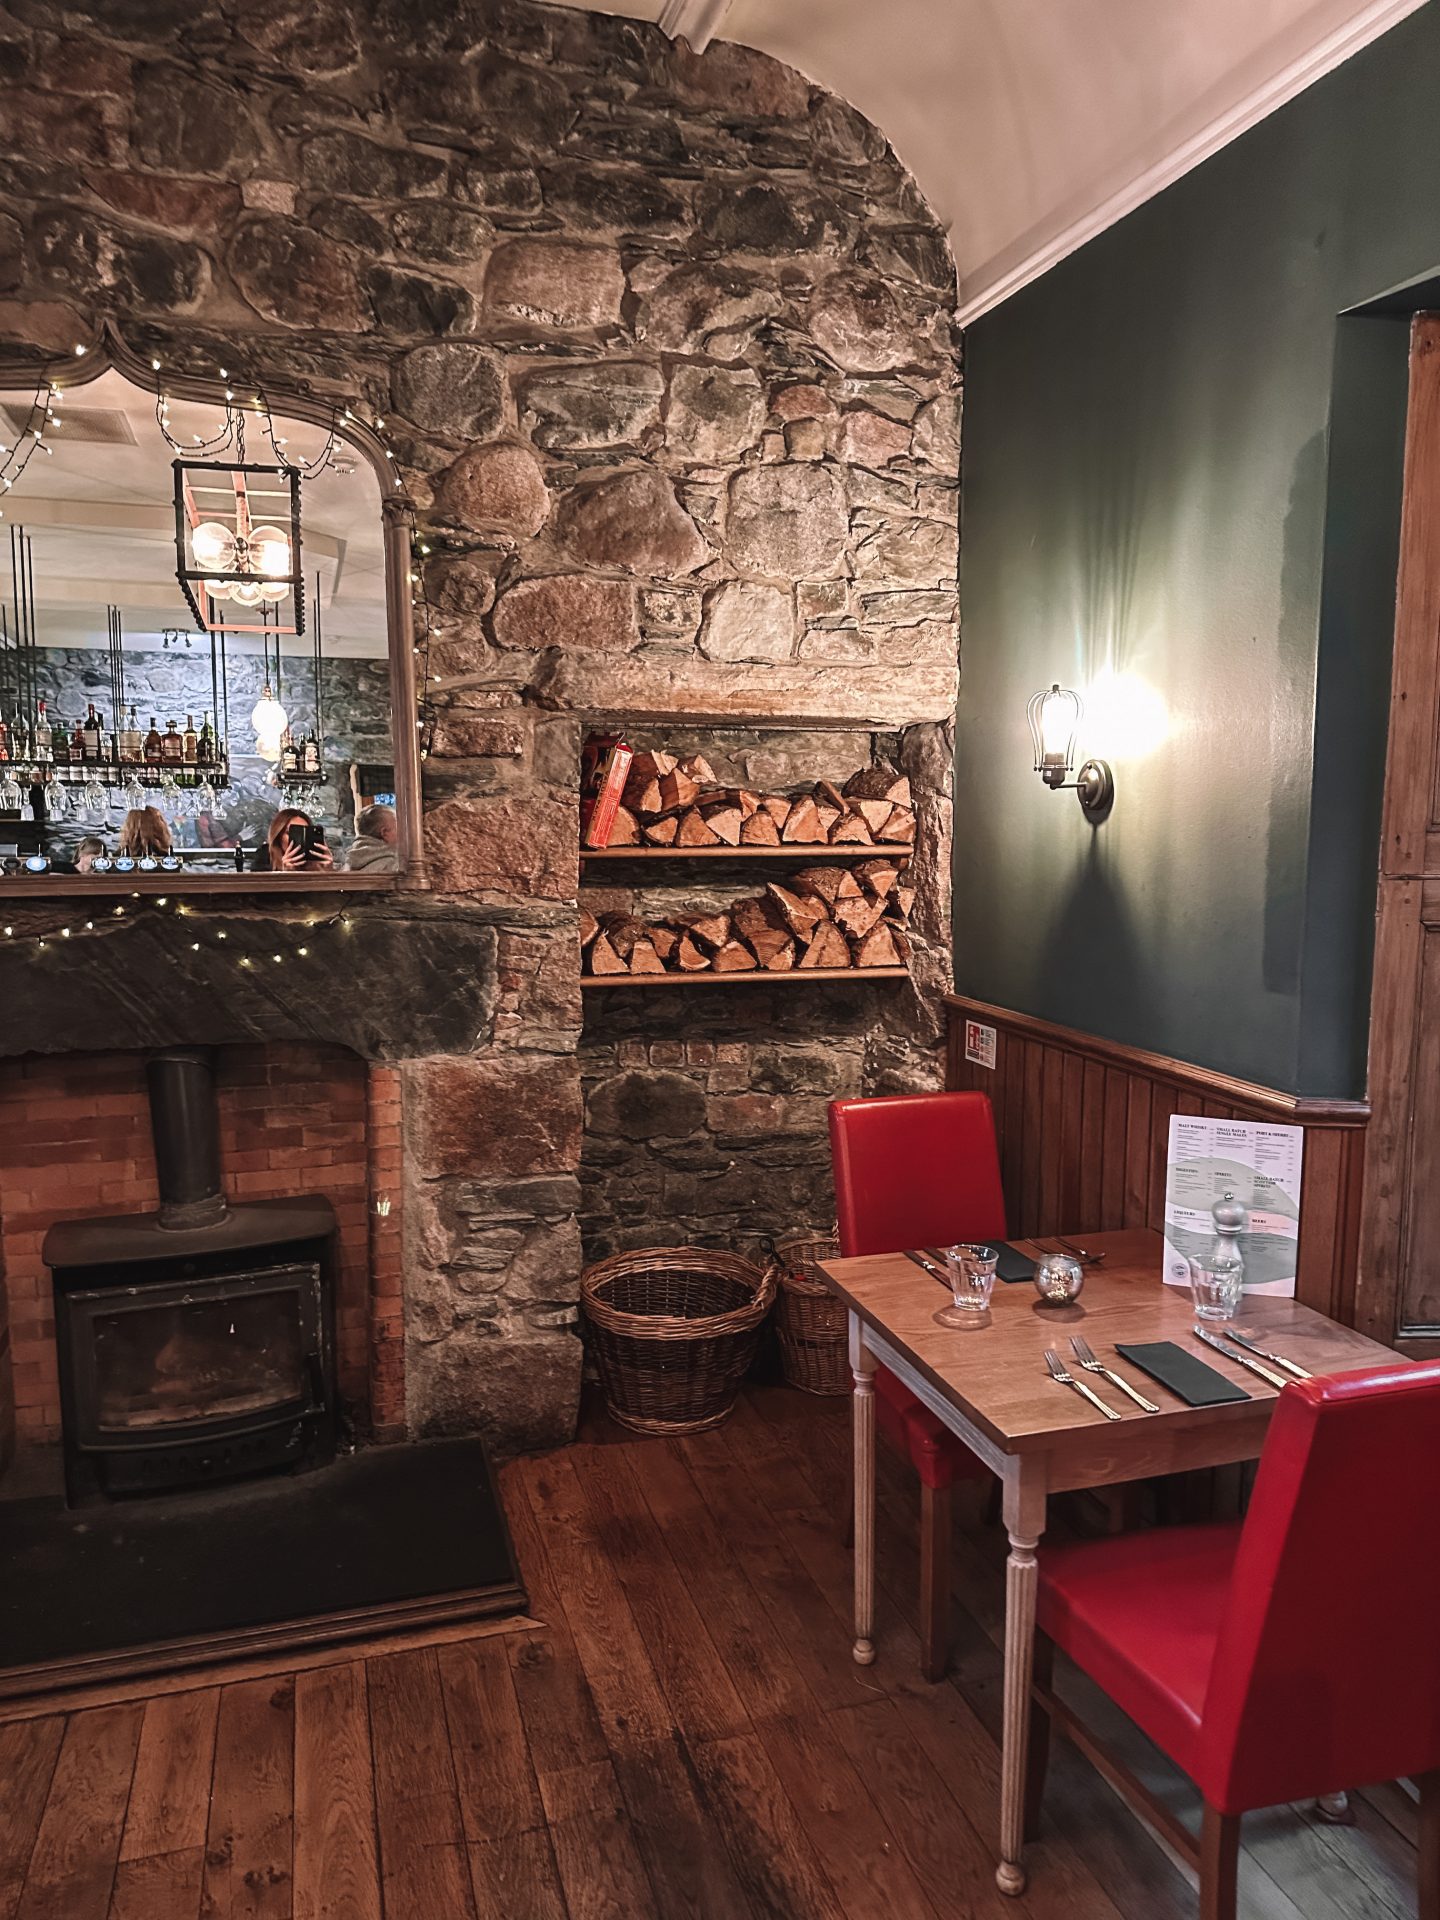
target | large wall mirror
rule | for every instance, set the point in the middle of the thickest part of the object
(198, 661)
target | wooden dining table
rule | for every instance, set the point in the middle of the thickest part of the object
(990, 1386)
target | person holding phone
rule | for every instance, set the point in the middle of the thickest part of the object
(294, 844)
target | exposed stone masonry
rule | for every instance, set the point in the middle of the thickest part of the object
(665, 347)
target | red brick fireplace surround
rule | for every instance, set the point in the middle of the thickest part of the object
(75, 1141)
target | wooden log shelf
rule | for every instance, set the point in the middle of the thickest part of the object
(795, 851)
(754, 977)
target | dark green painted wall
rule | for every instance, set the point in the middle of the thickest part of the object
(1183, 466)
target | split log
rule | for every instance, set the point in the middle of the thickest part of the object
(625, 830)
(740, 797)
(693, 831)
(777, 806)
(623, 931)
(801, 913)
(725, 822)
(650, 765)
(879, 783)
(679, 788)
(754, 914)
(589, 927)
(873, 812)
(901, 901)
(689, 958)
(603, 957)
(782, 960)
(903, 943)
(734, 957)
(850, 829)
(699, 769)
(878, 876)
(710, 930)
(900, 827)
(877, 949)
(662, 832)
(802, 823)
(827, 818)
(830, 795)
(760, 830)
(645, 959)
(827, 883)
(829, 948)
(642, 794)
(858, 916)
(770, 947)
(665, 940)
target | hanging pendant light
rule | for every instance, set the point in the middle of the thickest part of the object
(269, 720)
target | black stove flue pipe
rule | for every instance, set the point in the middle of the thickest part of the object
(186, 1126)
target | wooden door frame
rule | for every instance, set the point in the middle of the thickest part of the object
(1409, 856)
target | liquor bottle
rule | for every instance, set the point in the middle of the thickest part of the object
(91, 734)
(289, 758)
(205, 745)
(102, 741)
(40, 734)
(59, 743)
(310, 753)
(152, 744)
(172, 746)
(19, 737)
(192, 744)
(77, 743)
(4, 743)
(132, 741)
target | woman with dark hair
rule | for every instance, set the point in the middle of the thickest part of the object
(292, 845)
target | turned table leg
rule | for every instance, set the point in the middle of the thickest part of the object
(862, 1364)
(1024, 1522)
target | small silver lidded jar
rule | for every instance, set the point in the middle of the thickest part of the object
(1058, 1279)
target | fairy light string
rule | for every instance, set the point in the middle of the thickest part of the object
(228, 943)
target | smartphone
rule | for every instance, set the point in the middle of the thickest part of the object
(298, 836)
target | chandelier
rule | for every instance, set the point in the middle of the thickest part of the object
(237, 544)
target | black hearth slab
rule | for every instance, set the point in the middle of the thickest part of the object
(119, 1238)
(390, 1537)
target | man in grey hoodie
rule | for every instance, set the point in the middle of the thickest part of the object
(373, 848)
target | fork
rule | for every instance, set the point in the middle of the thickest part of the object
(1058, 1372)
(1081, 1253)
(1085, 1354)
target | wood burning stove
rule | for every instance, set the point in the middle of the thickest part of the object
(196, 1343)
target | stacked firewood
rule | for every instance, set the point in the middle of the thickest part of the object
(680, 803)
(820, 917)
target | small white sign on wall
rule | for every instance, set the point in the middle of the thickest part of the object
(980, 1044)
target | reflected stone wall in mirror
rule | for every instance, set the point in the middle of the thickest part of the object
(99, 510)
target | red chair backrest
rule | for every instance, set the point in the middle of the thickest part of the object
(1327, 1665)
(915, 1170)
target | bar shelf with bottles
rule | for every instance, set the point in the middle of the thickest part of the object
(92, 753)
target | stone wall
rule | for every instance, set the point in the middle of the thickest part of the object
(665, 347)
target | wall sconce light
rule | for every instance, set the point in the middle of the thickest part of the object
(1054, 716)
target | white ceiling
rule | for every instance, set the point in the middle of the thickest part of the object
(1032, 124)
(101, 515)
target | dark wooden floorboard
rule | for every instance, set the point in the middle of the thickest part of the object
(683, 1736)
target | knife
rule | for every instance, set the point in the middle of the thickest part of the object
(1240, 1359)
(930, 1267)
(1290, 1366)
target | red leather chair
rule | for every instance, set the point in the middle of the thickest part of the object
(919, 1170)
(1288, 1656)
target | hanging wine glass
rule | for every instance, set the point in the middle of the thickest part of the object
(206, 798)
(96, 802)
(57, 801)
(12, 797)
(172, 800)
(134, 793)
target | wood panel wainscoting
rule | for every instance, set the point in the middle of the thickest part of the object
(1083, 1126)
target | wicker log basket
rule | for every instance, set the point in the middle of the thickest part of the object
(810, 1321)
(674, 1330)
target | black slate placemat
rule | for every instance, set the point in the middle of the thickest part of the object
(1195, 1383)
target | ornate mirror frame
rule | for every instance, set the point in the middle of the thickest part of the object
(106, 352)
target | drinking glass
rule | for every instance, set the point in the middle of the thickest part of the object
(1215, 1289)
(972, 1280)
